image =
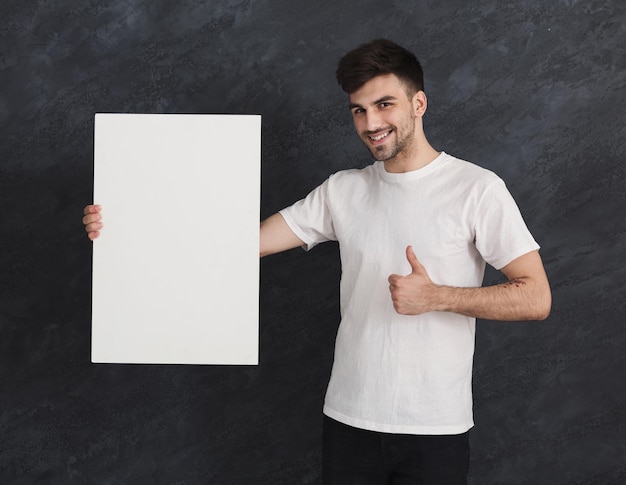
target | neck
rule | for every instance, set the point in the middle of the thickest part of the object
(420, 154)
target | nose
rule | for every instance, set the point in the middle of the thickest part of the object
(373, 121)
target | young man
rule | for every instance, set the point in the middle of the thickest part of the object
(415, 229)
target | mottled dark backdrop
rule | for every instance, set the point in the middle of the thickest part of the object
(534, 90)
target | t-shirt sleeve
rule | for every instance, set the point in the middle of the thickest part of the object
(500, 231)
(310, 218)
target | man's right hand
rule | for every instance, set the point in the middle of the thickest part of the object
(93, 220)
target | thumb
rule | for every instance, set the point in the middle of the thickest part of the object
(416, 266)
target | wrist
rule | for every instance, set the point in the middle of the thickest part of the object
(442, 298)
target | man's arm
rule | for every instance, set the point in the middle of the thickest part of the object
(525, 296)
(276, 236)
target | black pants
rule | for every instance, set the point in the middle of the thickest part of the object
(352, 456)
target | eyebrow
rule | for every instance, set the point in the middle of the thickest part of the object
(378, 101)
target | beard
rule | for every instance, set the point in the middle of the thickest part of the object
(390, 150)
(402, 139)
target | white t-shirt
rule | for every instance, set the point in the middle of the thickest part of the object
(397, 373)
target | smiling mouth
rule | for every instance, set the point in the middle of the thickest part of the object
(380, 136)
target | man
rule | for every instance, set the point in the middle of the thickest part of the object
(415, 229)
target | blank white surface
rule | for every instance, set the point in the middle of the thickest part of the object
(176, 267)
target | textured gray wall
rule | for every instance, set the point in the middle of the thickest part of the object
(532, 90)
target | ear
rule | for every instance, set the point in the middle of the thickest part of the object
(420, 103)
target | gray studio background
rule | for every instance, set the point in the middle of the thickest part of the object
(533, 90)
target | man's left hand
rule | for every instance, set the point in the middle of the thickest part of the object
(412, 294)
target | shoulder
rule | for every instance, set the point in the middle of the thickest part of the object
(472, 172)
(354, 175)
(467, 176)
(466, 183)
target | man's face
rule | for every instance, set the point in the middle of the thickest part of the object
(384, 117)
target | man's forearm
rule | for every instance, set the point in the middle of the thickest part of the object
(518, 299)
(525, 296)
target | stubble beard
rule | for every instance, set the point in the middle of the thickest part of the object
(403, 140)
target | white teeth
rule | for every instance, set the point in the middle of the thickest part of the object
(380, 137)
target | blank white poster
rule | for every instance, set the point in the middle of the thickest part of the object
(176, 267)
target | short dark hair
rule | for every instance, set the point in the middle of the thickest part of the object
(376, 58)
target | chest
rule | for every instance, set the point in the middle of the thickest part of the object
(383, 217)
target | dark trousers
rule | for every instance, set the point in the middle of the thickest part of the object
(352, 456)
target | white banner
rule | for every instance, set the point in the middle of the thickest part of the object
(176, 267)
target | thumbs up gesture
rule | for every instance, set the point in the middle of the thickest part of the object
(412, 294)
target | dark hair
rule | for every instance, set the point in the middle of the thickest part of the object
(376, 58)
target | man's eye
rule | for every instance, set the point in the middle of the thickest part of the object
(385, 105)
